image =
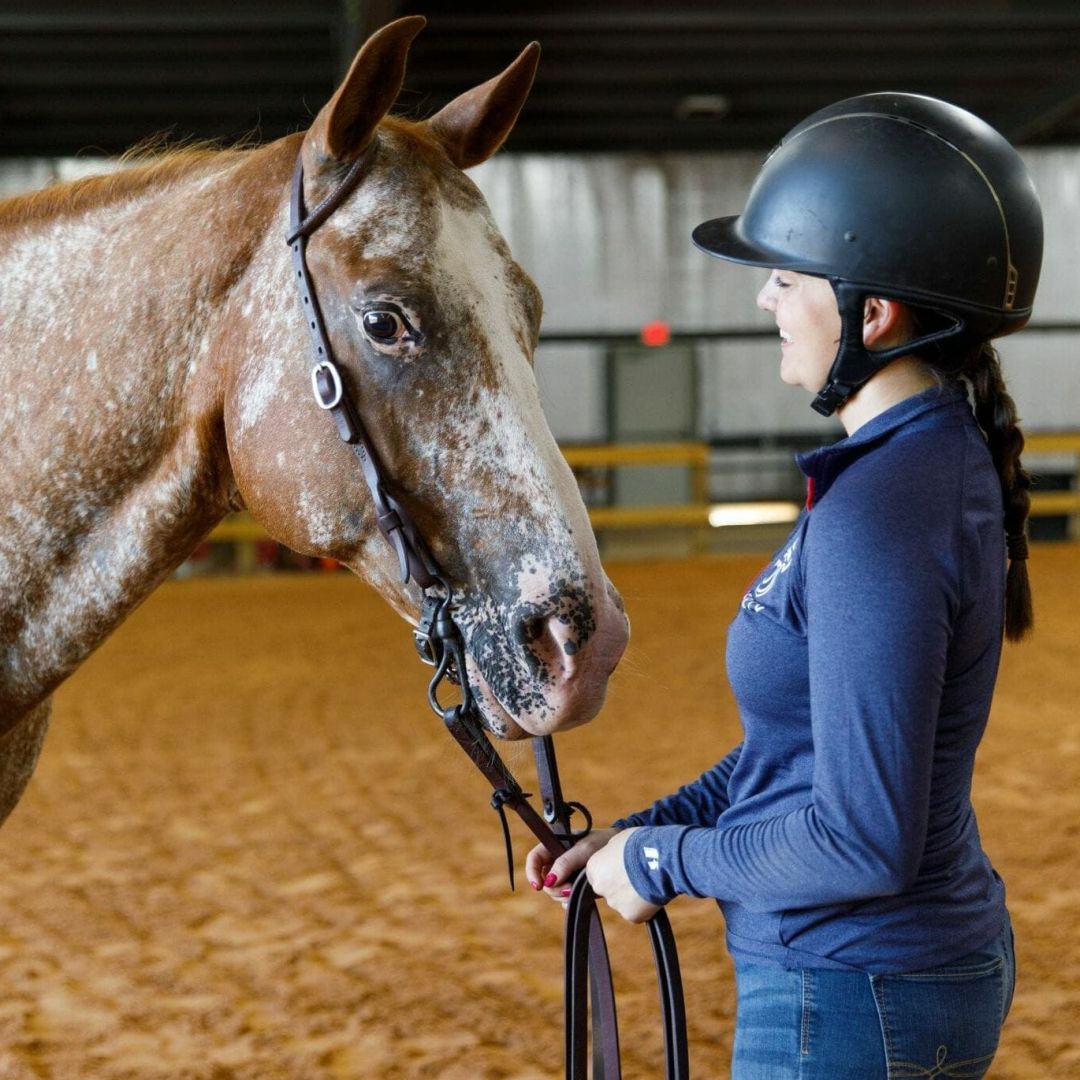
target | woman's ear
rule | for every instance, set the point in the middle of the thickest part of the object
(885, 323)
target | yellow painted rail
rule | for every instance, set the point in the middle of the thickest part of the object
(658, 453)
(239, 528)
(699, 512)
(243, 529)
(1052, 442)
(1053, 503)
(694, 455)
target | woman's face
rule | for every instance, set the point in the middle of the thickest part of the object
(809, 322)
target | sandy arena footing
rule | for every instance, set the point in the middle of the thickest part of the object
(250, 853)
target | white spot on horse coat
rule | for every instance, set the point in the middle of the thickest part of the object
(257, 395)
(504, 424)
(320, 520)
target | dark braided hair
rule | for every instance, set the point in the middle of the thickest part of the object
(995, 413)
(980, 367)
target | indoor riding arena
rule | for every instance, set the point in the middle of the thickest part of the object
(249, 850)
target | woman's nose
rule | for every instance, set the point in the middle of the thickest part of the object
(766, 300)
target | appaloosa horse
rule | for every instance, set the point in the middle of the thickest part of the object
(154, 373)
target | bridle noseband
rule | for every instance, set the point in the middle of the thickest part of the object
(439, 642)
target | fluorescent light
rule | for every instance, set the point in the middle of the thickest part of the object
(752, 513)
(703, 107)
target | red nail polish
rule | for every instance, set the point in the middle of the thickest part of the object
(550, 880)
(567, 892)
(535, 885)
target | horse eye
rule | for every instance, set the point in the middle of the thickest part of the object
(384, 326)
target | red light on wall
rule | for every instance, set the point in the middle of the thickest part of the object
(656, 333)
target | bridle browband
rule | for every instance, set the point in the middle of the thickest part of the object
(439, 642)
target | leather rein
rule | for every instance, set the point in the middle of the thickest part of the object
(439, 642)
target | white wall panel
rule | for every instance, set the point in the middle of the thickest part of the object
(591, 231)
(571, 381)
(607, 237)
(1043, 374)
(1056, 172)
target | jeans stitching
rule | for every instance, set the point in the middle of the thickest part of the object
(933, 974)
(966, 1069)
(807, 1009)
(878, 991)
(911, 1070)
(893, 1004)
(1008, 974)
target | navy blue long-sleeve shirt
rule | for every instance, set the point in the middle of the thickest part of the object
(840, 833)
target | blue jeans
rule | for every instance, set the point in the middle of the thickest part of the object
(817, 1024)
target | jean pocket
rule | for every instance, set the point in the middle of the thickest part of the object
(943, 1021)
(968, 968)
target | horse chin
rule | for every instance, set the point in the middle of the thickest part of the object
(505, 725)
(496, 718)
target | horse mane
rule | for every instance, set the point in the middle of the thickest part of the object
(146, 165)
(153, 163)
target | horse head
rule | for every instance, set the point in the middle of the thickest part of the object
(434, 327)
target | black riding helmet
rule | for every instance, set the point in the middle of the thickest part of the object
(899, 196)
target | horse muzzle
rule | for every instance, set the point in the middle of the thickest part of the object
(548, 670)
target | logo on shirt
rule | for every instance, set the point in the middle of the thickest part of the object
(652, 857)
(763, 587)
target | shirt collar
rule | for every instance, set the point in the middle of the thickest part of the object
(823, 465)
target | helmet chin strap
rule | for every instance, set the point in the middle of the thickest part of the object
(855, 364)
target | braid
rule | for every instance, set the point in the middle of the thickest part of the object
(995, 412)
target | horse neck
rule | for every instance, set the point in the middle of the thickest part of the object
(113, 361)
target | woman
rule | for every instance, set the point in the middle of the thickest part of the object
(868, 928)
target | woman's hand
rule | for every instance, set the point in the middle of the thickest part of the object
(601, 854)
(608, 878)
(555, 877)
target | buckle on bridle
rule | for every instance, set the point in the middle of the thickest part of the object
(423, 640)
(434, 629)
(326, 385)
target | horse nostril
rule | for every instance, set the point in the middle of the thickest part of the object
(548, 640)
(531, 630)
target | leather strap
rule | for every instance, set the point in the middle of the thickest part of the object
(587, 964)
(557, 811)
(672, 1007)
(582, 924)
(393, 520)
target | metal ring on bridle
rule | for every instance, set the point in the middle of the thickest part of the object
(335, 380)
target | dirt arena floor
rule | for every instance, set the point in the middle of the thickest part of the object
(250, 853)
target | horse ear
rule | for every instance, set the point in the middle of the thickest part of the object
(473, 126)
(347, 122)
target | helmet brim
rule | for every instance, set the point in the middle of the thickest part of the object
(721, 237)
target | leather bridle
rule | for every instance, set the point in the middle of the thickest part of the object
(439, 642)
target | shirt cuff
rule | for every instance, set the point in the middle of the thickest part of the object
(652, 860)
